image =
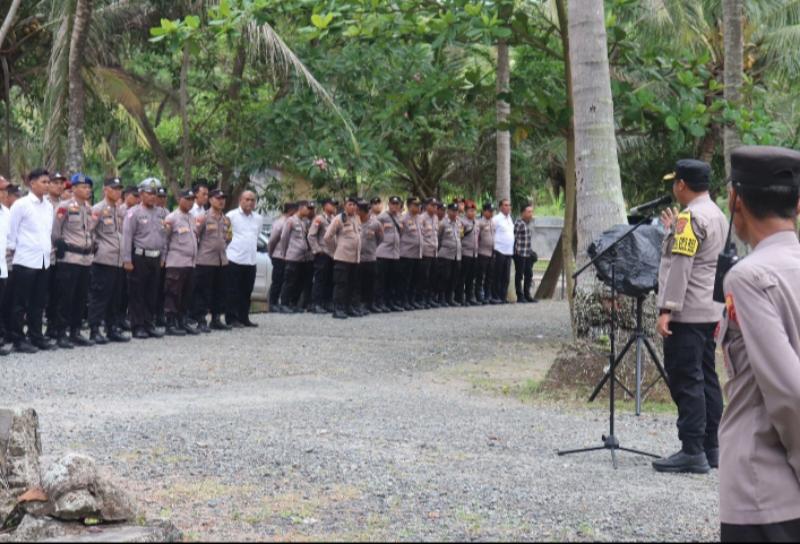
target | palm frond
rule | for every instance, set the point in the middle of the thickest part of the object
(269, 46)
(111, 22)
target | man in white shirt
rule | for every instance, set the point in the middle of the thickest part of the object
(241, 253)
(5, 221)
(503, 225)
(30, 227)
(200, 189)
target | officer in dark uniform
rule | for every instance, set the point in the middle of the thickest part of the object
(688, 316)
(130, 198)
(163, 212)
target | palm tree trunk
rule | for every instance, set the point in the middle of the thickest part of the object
(733, 74)
(184, 105)
(503, 187)
(7, 91)
(234, 90)
(77, 91)
(9, 20)
(598, 185)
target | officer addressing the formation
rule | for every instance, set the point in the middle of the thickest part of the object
(760, 430)
(688, 316)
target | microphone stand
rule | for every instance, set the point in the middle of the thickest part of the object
(610, 441)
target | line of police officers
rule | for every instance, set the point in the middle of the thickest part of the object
(126, 263)
(369, 260)
(756, 441)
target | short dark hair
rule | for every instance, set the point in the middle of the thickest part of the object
(500, 202)
(289, 206)
(37, 173)
(526, 206)
(198, 184)
(766, 202)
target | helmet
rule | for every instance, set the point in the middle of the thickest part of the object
(150, 185)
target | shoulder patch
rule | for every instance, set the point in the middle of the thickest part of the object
(686, 242)
(731, 307)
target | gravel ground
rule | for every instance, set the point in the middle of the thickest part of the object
(365, 429)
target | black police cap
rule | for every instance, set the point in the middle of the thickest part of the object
(696, 174)
(217, 193)
(353, 199)
(765, 166)
(395, 200)
(412, 200)
(187, 193)
(375, 200)
(453, 207)
(488, 206)
(363, 205)
(113, 183)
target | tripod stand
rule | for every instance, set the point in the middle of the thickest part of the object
(610, 441)
(640, 340)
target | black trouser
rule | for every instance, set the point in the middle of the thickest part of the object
(73, 290)
(484, 278)
(123, 297)
(105, 290)
(502, 275)
(408, 273)
(345, 283)
(523, 275)
(693, 384)
(466, 283)
(240, 278)
(159, 315)
(784, 531)
(27, 302)
(292, 283)
(178, 290)
(208, 282)
(276, 284)
(447, 275)
(306, 284)
(322, 291)
(388, 282)
(5, 308)
(367, 274)
(51, 308)
(144, 284)
(425, 288)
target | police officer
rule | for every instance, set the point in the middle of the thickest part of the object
(688, 316)
(130, 198)
(72, 237)
(296, 250)
(388, 282)
(213, 234)
(375, 206)
(469, 254)
(55, 190)
(181, 252)
(343, 238)
(277, 256)
(411, 254)
(371, 236)
(759, 472)
(107, 275)
(143, 239)
(484, 279)
(322, 291)
(425, 280)
(163, 212)
(449, 259)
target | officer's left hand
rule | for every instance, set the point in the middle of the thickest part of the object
(662, 327)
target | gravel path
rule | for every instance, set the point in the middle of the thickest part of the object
(373, 428)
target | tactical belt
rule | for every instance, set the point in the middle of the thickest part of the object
(78, 250)
(152, 253)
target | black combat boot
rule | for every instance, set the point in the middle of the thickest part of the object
(339, 312)
(217, 324)
(318, 309)
(202, 326)
(63, 341)
(712, 455)
(683, 462)
(141, 333)
(78, 339)
(187, 326)
(521, 299)
(6, 348)
(529, 298)
(96, 336)
(115, 334)
(173, 327)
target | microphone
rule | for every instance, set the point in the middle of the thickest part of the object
(647, 206)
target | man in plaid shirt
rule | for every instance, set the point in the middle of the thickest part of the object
(524, 256)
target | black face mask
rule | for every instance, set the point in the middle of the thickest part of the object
(726, 260)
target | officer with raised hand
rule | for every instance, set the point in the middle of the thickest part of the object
(688, 316)
(143, 241)
(759, 471)
(72, 237)
(107, 275)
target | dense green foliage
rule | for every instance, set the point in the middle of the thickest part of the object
(414, 84)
